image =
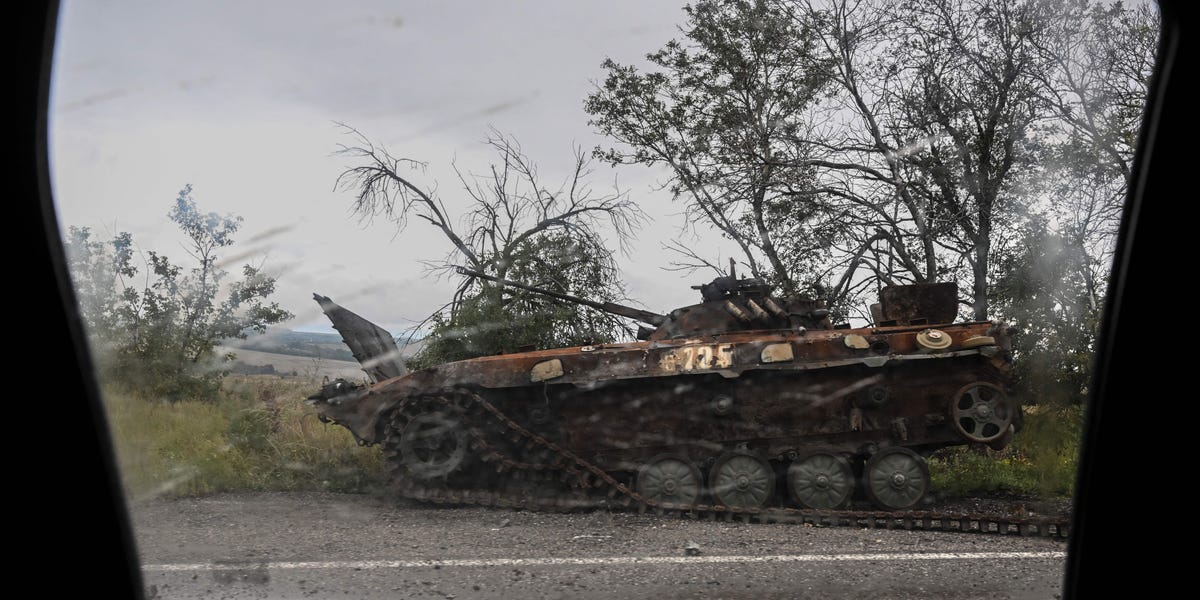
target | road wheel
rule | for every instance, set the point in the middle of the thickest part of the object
(742, 480)
(433, 444)
(670, 480)
(821, 480)
(896, 478)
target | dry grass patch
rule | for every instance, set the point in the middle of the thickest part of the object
(257, 435)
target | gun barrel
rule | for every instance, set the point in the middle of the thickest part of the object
(636, 314)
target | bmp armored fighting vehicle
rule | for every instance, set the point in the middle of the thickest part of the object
(745, 402)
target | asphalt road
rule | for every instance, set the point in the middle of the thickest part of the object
(314, 545)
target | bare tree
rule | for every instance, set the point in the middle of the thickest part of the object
(515, 226)
(942, 98)
(861, 157)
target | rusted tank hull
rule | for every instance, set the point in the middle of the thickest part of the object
(807, 383)
(781, 410)
(853, 410)
(734, 404)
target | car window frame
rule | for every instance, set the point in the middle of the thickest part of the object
(98, 527)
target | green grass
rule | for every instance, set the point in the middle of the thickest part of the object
(257, 435)
(1040, 461)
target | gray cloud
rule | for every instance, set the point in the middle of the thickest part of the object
(239, 100)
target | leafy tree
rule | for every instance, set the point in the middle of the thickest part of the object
(515, 227)
(159, 337)
(846, 145)
(721, 110)
(1043, 289)
(99, 272)
(789, 127)
(850, 144)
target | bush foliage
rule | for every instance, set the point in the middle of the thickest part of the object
(154, 327)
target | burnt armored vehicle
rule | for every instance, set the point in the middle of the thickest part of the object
(742, 403)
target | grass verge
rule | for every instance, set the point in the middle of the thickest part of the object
(257, 435)
(1041, 460)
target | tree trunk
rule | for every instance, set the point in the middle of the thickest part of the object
(979, 269)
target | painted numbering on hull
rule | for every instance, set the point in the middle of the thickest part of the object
(691, 358)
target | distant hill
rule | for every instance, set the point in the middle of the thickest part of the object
(295, 343)
(285, 352)
(278, 340)
(254, 362)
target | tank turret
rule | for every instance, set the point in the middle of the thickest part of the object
(729, 304)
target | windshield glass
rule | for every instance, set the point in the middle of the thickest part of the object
(596, 298)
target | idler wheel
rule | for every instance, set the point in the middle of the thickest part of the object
(668, 479)
(821, 480)
(742, 480)
(433, 445)
(981, 412)
(896, 478)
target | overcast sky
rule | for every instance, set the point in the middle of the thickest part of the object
(240, 100)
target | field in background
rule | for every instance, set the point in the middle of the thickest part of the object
(290, 353)
(307, 367)
(280, 340)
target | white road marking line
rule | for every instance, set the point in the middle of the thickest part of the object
(602, 560)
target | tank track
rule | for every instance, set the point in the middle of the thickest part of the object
(508, 466)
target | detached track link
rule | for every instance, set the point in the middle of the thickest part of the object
(585, 485)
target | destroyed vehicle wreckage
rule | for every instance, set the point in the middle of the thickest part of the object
(742, 402)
